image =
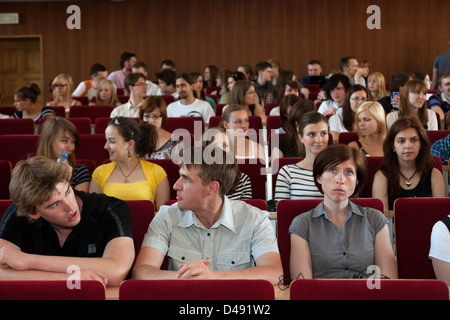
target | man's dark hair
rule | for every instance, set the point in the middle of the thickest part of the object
(261, 66)
(168, 76)
(126, 56)
(398, 80)
(187, 77)
(96, 68)
(345, 62)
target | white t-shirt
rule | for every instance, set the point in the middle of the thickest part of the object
(431, 125)
(81, 88)
(440, 242)
(198, 108)
(329, 105)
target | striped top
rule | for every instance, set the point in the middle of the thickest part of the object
(294, 182)
(243, 190)
(80, 175)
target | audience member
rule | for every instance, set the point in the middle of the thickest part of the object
(25, 102)
(441, 149)
(188, 105)
(140, 67)
(168, 64)
(166, 83)
(127, 60)
(350, 67)
(276, 69)
(371, 128)
(396, 85)
(59, 136)
(247, 71)
(263, 84)
(376, 86)
(365, 69)
(128, 176)
(287, 81)
(314, 70)
(106, 95)
(244, 93)
(51, 227)
(135, 84)
(289, 145)
(336, 87)
(199, 93)
(295, 181)
(440, 102)
(413, 102)
(423, 76)
(62, 87)
(344, 121)
(339, 239)
(89, 88)
(291, 88)
(234, 76)
(222, 83)
(210, 75)
(235, 120)
(203, 211)
(408, 170)
(217, 137)
(286, 104)
(440, 65)
(153, 111)
(440, 250)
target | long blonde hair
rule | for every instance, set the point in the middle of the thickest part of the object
(70, 87)
(379, 79)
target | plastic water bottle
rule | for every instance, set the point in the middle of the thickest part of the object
(64, 158)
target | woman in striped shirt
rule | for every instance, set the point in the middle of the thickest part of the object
(295, 181)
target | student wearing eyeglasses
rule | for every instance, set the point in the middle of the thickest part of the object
(62, 88)
(153, 111)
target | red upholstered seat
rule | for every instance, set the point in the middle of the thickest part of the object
(50, 290)
(143, 212)
(17, 126)
(360, 289)
(196, 290)
(414, 220)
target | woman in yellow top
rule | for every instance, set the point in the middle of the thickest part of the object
(128, 176)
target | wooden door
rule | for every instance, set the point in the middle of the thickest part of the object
(20, 62)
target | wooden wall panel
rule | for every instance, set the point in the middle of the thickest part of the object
(195, 33)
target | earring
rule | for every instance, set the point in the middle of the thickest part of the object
(129, 155)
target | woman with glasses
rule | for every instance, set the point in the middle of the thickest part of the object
(235, 120)
(62, 88)
(344, 121)
(25, 102)
(128, 176)
(153, 111)
(413, 102)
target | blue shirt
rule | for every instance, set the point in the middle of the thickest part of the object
(441, 148)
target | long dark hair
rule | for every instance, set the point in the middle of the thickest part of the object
(348, 115)
(390, 166)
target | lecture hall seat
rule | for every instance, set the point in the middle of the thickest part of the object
(91, 112)
(364, 289)
(5, 178)
(16, 126)
(50, 290)
(16, 147)
(414, 220)
(176, 289)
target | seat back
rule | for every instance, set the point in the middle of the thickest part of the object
(51, 290)
(91, 146)
(435, 135)
(142, 212)
(195, 125)
(196, 290)
(273, 123)
(16, 147)
(252, 168)
(91, 112)
(373, 164)
(17, 126)
(172, 171)
(369, 289)
(347, 137)
(287, 210)
(88, 163)
(5, 178)
(414, 220)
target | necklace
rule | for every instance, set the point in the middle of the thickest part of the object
(408, 181)
(126, 177)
